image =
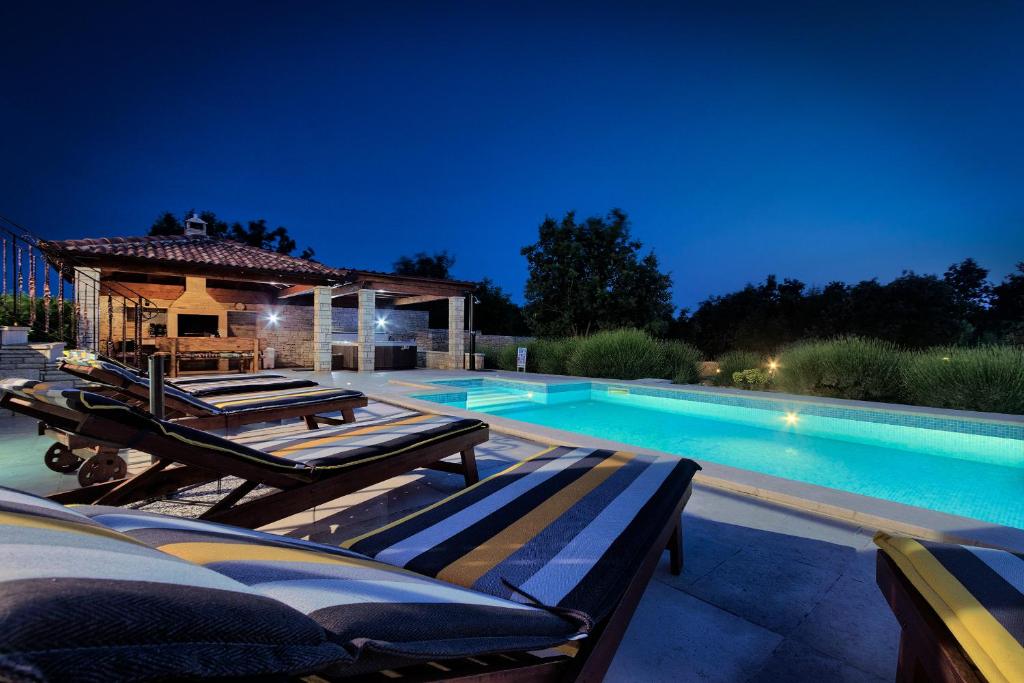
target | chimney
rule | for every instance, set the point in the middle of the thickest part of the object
(195, 226)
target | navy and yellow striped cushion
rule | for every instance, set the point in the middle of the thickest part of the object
(79, 601)
(568, 526)
(291, 448)
(373, 609)
(345, 446)
(239, 384)
(121, 378)
(977, 592)
(283, 398)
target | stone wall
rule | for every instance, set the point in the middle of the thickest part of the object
(291, 338)
(437, 340)
(399, 320)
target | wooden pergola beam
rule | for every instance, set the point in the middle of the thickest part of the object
(294, 290)
(419, 299)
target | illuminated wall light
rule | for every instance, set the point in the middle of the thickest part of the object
(273, 318)
(382, 323)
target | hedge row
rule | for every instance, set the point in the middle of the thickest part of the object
(618, 354)
(985, 378)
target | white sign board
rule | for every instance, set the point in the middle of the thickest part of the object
(521, 359)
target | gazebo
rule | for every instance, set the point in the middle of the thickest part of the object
(195, 293)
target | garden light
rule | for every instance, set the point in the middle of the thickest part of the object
(773, 365)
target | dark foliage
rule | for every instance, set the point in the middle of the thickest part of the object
(589, 276)
(496, 313)
(438, 265)
(254, 233)
(913, 311)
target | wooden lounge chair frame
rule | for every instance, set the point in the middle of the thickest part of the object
(179, 464)
(928, 651)
(185, 413)
(591, 662)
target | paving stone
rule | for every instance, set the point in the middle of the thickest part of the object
(676, 637)
(794, 662)
(853, 623)
(769, 590)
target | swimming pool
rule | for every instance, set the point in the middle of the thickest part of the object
(968, 467)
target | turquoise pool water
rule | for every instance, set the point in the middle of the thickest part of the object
(971, 468)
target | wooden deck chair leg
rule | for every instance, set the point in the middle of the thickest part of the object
(236, 495)
(311, 422)
(469, 466)
(348, 415)
(675, 550)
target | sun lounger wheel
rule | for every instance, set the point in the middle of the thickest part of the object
(102, 467)
(59, 458)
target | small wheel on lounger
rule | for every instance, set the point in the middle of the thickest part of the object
(59, 458)
(102, 467)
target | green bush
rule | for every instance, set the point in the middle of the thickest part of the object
(618, 354)
(849, 367)
(546, 356)
(754, 378)
(985, 378)
(683, 361)
(733, 362)
(505, 358)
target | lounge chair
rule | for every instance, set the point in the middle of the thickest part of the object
(589, 526)
(305, 467)
(230, 411)
(961, 609)
(109, 371)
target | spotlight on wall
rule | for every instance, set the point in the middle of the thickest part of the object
(273, 318)
(382, 323)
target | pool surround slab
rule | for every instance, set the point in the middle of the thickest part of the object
(877, 513)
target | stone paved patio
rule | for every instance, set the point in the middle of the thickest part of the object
(768, 594)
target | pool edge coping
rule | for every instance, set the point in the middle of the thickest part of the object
(866, 511)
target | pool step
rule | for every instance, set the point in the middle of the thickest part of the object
(490, 398)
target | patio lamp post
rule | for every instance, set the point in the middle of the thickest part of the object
(472, 334)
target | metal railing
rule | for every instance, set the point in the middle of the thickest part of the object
(34, 293)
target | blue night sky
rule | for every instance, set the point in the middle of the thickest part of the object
(816, 140)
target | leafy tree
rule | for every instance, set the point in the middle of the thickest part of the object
(588, 276)
(972, 293)
(1006, 315)
(254, 233)
(497, 313)
(421, 264)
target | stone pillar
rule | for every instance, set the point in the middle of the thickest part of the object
(456, 329)
(87, 308)
(321, 329)
(367, 329)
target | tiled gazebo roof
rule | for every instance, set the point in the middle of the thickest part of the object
(200, 254)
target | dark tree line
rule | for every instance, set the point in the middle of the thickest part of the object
(254, 233)
(915, 311)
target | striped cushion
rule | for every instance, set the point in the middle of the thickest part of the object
(292, 448)
(124, 378)
(343, 446)
(121, 378)
(268, 400)
(184, 382)
(242, 384)
(371, 608)
(82, 602)
(977, 592)
(568, 526)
